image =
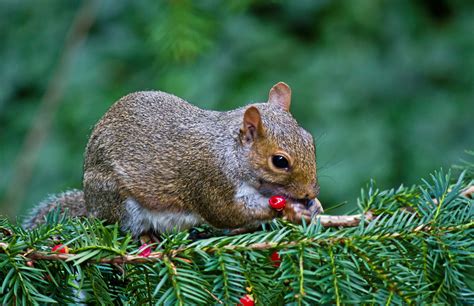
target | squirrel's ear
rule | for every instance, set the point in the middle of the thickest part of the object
(252, 124)
(280, 94)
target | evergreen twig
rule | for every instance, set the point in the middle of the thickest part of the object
(408, 245)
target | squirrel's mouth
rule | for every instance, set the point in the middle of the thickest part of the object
(271, 189)
(306, 202)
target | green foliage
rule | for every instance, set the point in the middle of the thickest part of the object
(384, 86)
(418, 249)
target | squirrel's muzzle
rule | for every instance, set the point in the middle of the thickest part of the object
(310, 192)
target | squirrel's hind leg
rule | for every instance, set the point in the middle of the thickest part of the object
(102, 196)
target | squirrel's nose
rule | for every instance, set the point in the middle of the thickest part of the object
(312, 192)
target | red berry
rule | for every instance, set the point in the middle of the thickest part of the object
(277, 202)
(144, 250)
(60, 248)
(247, 300)
(276, 259)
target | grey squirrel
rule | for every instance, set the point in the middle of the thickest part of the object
(156, 163)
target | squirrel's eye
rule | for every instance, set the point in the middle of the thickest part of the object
(280, 162)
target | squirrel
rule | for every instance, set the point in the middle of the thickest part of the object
(155, 163)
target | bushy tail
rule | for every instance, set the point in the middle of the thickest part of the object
(72, 200)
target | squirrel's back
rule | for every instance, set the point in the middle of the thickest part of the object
(160, 151)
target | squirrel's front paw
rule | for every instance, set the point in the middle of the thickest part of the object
(315, 207)
(296, 211)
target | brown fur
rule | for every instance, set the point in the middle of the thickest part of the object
(170, 156)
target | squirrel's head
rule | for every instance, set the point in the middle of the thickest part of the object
(280, 152)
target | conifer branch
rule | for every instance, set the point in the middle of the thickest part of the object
(158, 256)
(403, 249)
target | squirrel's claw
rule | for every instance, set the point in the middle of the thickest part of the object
(149, 238)
(296, 211)
(315, 206)
(468, 192)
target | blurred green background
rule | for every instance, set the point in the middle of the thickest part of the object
(386, 87)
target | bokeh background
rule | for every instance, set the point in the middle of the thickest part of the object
(386, 87)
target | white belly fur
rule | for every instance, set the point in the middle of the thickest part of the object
(145, 220)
